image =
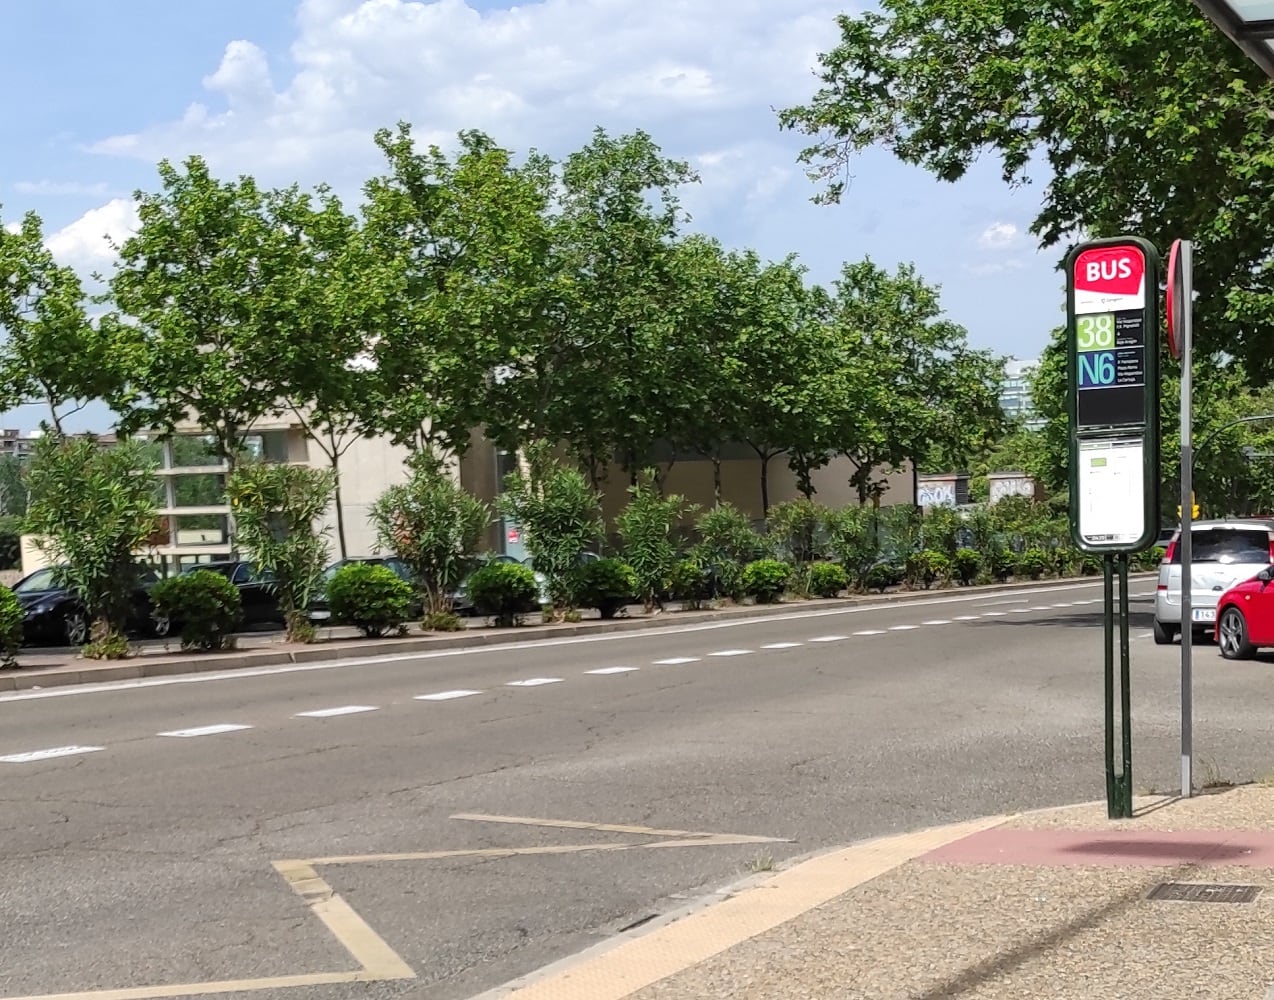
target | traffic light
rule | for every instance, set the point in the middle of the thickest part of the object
(1194, 510)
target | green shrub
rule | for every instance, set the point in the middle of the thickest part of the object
(607, 585)
(1033, 563)
(1001, 564)
(374, 599)
(105, 644)
(691, 582)
(929, 567)
(205, 604)
(10, 542)
(793, 529)
(646, 526)
(967, 565)
(881, 576)
(766, 579)
(727, 543)
(10, 627)
(1148, 560)
(1090, 564)
(442, 621)
(827, 579)
(504, 591)
(941, 530)
(851, 540)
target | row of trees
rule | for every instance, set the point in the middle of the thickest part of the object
(537, 300)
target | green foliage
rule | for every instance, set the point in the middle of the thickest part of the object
(900, 528)
(442, 621)
(691, 582)
(928, 567)
(1148, 560)
(727, 543)
(607, 585)
(881, 576)
(11, 616)
(560, 515)
(966, 565)
(91, 508)
(374, 599)
(433, 526)
(206, 605)
(827, 579)
(646, 526)
(793, 530)
(942, 530)
(106, 644)
(1033, 563)
(504, 591)
(1001, 563)
(10, 542)
(765, 580)
(276, 506)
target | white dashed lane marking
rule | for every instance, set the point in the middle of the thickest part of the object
(611, 670)
(531, 682)
(781, 645)
(994, 614)
(447, 695)
(31, 756)
(328, 713)
(902, 628)
(676, 661)
(871, 631)
(937, 621)
(731, 652)
(966, 618)
(217, 730)
(830, 638)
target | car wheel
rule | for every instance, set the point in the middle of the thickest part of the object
(75, 627)
(1233, 636)
(160, 626)
(1164, 634)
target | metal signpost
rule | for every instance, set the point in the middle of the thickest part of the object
(1180, 308)
(1113, 362)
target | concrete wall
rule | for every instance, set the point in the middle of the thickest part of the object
(370, 467)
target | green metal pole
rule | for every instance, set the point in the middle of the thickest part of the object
(1125, 692)
(1108, 620)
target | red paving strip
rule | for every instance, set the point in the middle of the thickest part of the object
(1109, 848)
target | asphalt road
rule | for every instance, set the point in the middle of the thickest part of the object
(141, 859)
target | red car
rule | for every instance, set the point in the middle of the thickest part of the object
(1245, 617)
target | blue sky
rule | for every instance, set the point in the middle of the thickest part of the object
(291, 90)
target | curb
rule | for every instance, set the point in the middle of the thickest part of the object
(153, 666)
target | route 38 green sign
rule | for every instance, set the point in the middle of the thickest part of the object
(1112, 304)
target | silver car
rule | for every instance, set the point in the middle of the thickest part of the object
(1223, 553)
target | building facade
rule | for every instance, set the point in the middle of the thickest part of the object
(1015, 397)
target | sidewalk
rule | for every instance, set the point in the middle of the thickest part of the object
(48, 668)
(1052, 904)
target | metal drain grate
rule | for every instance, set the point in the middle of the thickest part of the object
(1203, 892)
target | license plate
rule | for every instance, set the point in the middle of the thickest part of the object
(1203, 614)
(319, 616)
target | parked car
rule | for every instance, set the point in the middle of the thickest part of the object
(257, 591)
(1245, 617)
(52, 613)
(1224, 553)
(319, 610)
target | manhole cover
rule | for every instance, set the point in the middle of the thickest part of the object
(1204, 892)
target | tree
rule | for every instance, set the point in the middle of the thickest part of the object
(276, 506)
(204, 291)
(91, 509)
(1082, 93)
(433, 526)
(465, 241)
(646, 525)
(50, 351)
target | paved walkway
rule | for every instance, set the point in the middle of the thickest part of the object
(1054, 904)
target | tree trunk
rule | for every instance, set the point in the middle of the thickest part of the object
(716, 479)
(765, 486)
(340, 508)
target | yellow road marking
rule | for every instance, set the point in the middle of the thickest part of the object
(208, 989)
(569, 824)
(368, 949)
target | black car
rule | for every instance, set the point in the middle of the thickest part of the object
(257, 591)
(53, 614)
(319, 611)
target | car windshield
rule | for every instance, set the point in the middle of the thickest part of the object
(1228, 546)
(41, 579)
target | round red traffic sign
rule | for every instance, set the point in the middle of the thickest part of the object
(1175, 304)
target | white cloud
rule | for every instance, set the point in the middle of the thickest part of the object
(995, 267)
(85, 244)
(998, 236)
(13, 227)
(696, 76)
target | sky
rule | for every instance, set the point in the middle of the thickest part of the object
(292, 91)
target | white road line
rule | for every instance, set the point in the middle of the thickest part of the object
(1042, 607)
(994, 614)
(1022, 611)
(996, 604)
(1065, 604)
(611, 670)
(224, 727)
(517, 648)
(676, 661)
(328, 713)
(902, 628)
(31, 756)
(532, 682)
(447, 695)
(871, 631)
(830, 638)
(966, 618)
(782, 645)
(731, 652)
(937, 621)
